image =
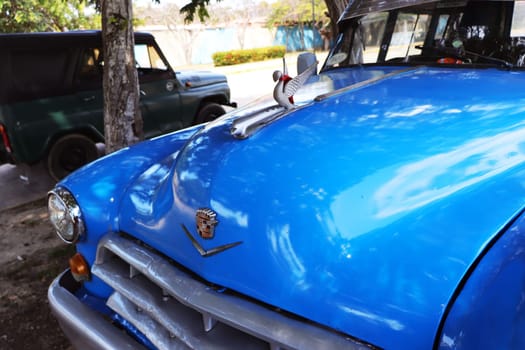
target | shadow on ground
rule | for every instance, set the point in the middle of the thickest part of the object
(23, 184)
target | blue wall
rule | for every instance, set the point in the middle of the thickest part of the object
(224, 39)
(214, 40)
(290, 36)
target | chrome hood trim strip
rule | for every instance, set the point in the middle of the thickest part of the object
(246, 126)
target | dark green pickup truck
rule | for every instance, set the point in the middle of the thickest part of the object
(51, 101)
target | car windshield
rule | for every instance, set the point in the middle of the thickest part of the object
(472, 33)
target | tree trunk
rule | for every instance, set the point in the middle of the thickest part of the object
(122, 118)
(335, 10)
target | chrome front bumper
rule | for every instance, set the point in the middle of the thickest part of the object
(85, 328)
(174, 310)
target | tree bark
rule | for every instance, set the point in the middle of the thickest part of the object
(122, 118)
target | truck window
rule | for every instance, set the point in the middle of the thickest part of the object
(90, 72)
(38, 73)
(147, 57)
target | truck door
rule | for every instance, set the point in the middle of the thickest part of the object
(159, 93)
(41, 97)
(88, 85)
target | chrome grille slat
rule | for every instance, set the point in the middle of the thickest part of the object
(144, 323)
(179, 320)
(274, 328)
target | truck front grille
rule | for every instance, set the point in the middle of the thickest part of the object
(176, 311)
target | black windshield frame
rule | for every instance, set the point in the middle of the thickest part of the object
(493, 47)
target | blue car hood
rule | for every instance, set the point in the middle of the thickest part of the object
(361, 211)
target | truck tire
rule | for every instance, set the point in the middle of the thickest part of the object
(209, 112)
(70, 153)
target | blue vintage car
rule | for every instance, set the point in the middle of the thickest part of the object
(377, 204)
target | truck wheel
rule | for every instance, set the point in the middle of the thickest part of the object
(209, 112)
(70, 153)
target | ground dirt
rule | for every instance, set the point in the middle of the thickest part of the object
(32, 256)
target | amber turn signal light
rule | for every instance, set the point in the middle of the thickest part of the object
(79, 268)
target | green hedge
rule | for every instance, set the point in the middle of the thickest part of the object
(227, 58)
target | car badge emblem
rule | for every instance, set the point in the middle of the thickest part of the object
(206, 220)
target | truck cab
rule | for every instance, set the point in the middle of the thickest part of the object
(51, 98)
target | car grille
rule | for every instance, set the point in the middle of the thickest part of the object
(176, 311)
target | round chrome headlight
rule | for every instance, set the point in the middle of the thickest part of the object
(65, 215)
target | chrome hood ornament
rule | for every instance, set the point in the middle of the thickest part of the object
(246, 125)
(287, 86)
